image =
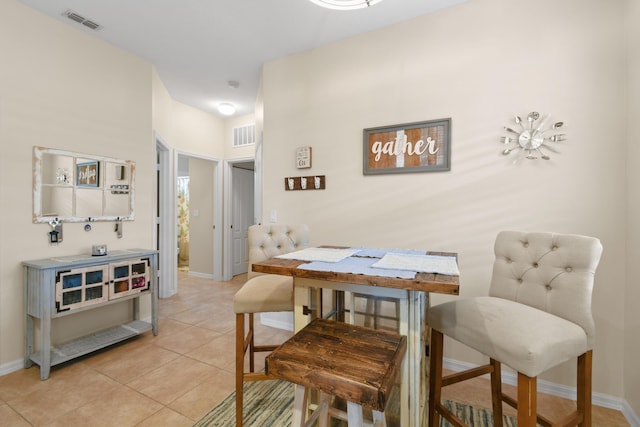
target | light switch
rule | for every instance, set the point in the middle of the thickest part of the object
(273, 216)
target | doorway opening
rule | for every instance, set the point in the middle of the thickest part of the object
(183, 212)
(198, 212)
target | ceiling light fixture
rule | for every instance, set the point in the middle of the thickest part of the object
(345, 4)
(226, 109)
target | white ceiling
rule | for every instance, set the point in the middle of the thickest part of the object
(198, 46)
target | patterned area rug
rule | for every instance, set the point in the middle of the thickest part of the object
(270, 403)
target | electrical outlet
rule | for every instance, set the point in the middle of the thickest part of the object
(273, 216)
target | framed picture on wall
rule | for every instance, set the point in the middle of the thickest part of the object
(412, 147)
(87, 174)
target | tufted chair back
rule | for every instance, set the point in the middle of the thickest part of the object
(548, 271)
(267, 241)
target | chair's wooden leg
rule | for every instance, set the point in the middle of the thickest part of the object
(354, 414)
(377, 308)
(435, 376)
(252, 366)
(397, 319)
(584, 387)
(340, 305)
(527, 401)
(370, 315)
(379, 419)
(496, 392)
(239, 366)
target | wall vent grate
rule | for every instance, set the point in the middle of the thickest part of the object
(82, 20)
(245, 135)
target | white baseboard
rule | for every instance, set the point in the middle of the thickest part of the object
(201, 275)
(558, 390)
(631, 416)
(13, 366)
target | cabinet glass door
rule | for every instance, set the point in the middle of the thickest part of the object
(81, 287)
(128, 278)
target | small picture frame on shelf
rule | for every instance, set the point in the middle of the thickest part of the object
(88, 174)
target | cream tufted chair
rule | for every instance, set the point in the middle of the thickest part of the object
(263, 293)
(537, 316)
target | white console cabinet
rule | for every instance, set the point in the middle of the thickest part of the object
(63, 286)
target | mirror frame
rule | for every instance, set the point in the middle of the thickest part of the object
(101, 162)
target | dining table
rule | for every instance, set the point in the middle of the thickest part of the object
(404, 275)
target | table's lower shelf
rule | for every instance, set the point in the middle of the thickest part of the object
(90, 343)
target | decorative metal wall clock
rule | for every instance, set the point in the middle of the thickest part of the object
(532, 136)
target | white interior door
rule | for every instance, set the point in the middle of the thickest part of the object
(242, 217)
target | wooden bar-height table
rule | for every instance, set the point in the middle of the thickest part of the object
(412, 293)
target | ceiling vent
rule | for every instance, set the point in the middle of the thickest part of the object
(82, 20)
(244, 135)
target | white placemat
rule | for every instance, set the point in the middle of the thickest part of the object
(422, 263)
(380, 252)
(357, 265)
(320, 254)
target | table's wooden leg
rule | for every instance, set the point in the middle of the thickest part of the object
(416, 358)
(407, 378)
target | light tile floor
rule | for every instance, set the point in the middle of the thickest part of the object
(172, 379)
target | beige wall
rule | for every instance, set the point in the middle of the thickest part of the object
(161, 108)
(185, 128)
(632, 294)
(62, 88)
(65, 89)
(196, 132)
(201, 135)
(478, 63)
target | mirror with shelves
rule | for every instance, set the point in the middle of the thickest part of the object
(75, 187)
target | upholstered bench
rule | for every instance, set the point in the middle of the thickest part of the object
(354, 363)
